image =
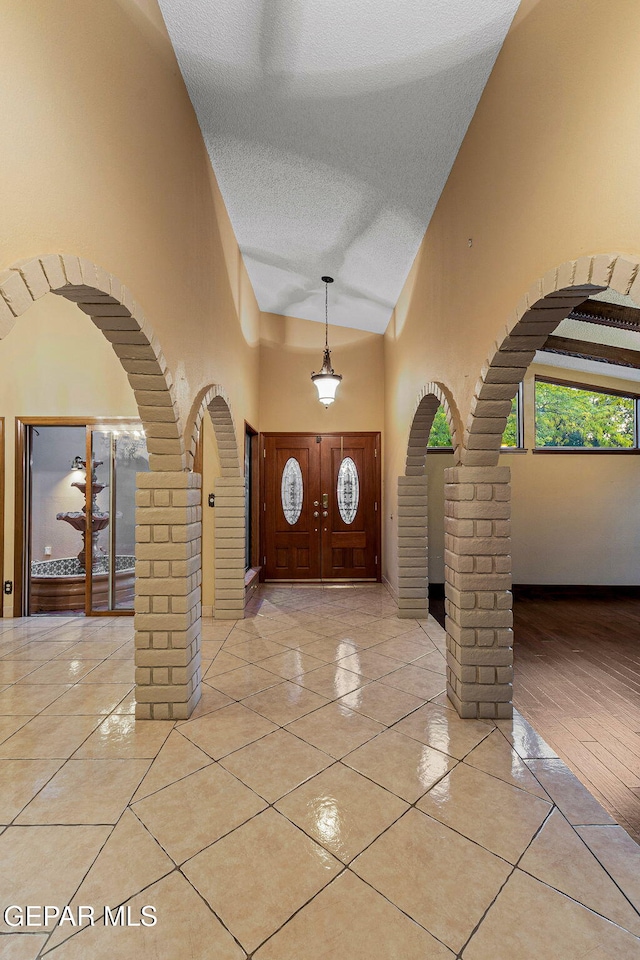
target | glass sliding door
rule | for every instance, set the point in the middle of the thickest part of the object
(118, 453)
(55, 574)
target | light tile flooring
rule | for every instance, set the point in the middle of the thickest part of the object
(323, 802)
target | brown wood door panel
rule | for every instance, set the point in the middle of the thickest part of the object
(344, 540)
(362, 531)
(320, 543)
(290, 548)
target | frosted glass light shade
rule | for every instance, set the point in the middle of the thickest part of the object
(326, 385)
(327, 380)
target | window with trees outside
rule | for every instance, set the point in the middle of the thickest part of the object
(582, 416)
(440, 436)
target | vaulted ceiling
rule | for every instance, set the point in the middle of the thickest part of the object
(332, 126)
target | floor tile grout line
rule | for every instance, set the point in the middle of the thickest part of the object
(209, 762)
(391, 902)
(93, 862)
(336, 760)
(80, 930)
(8, 658)
(65, 759)
(503, 885)
(22, 809)
(581, 903)
(460, 953)
(572, 827)
(333, 879)
(38, 714)
(42, 633)
(27, 718)
(279, 726)
(282, 726)
(268, 805)
(86, 874)
(210, 908)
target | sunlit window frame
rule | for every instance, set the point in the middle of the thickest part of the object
(589, 388)
(519, 448)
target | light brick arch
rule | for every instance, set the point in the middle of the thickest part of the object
(214, 399)
(431, 396)
(413, 551)
(168, 546)
(536, 316)
(229, 517)
(479, 619)
(115, 313)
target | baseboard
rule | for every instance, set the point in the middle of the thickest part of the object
(251, 582)
(571, 591)
(390, 588)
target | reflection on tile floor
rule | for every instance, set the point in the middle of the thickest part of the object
(323, 801)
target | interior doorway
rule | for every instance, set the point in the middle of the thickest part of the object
(75, 515)
(2, 495)
(321, 507)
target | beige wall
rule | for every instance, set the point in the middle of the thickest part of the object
(102, 157)
(210, 470)
(548, 171)
(575, 517)
(55, 363)
(291, 349)
(435, 466)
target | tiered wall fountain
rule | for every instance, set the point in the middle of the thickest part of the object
(59, 586)
(78, 518)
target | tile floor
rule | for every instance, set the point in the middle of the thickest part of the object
(323, 802)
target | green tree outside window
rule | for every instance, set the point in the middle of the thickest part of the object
(573, 417)
(440, 435)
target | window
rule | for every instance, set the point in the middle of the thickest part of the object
(440, 436)
(586, 417)
(513, 438)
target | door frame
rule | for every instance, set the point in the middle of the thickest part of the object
(21, 545)
(2, 496)
(253, 562)
(377, 435)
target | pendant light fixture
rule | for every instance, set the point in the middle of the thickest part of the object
(326, 382)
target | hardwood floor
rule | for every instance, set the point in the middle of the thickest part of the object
(577, 680)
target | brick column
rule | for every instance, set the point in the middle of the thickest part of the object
(229, 549)
(167, 604)
(478, 591)
(413, 589)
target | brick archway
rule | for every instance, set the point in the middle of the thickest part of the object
(478, 498)
(413, 551)
(167, 604)
(229, 534)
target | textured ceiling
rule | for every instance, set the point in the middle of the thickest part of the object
(332, 126)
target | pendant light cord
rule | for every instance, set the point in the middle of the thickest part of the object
(326, 315)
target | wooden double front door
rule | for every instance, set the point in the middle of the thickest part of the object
(321, 506)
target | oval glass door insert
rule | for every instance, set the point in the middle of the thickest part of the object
(348, 490)
(291, 491)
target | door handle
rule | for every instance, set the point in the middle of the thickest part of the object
(325, 513)
(316, 514)
(325, 500)
(316, 503)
